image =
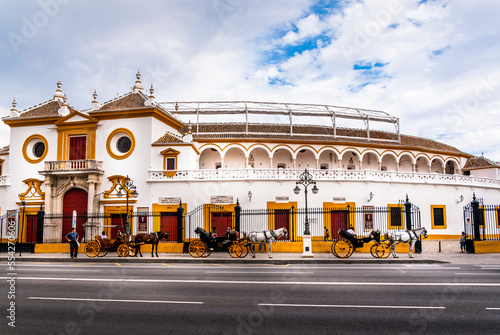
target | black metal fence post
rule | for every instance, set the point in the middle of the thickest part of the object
(476, 217)
(237, 216)
(39, 225)
(180, 223)
(408, 213)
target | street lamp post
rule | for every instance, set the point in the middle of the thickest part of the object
(306, 179)
(128, 186)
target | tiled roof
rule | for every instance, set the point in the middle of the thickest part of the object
(45, 109)
(4, 150)
(479, 162)
(309, 133)
(131, 100)
(168, 139)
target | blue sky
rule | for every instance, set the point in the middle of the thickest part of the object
(433, 64)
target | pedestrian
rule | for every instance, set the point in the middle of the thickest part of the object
(327, 234)
(72, 237)
(351, 232)
(462, 242)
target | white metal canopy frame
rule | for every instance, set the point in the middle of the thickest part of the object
(273, 110)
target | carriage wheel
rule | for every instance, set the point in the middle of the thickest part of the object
(244, 251)
(122, 250)
(92, 248)
(196, 248)
(103, 252)
(207, 251)
(235, 250)
(383, 250)
(373, 250)
(333, 248)
(131, 251)
(343, 248)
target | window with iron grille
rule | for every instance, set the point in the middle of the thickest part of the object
(171, 163)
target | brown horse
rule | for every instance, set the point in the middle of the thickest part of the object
(152, 238)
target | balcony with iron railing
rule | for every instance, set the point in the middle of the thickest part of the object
(64, 167)
(323, 175)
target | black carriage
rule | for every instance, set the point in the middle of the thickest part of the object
(348, 243)
(230, 242)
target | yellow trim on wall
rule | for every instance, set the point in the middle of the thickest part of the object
(497, 214)
(157, 208)
(389, 225)
(271, 224)
(110, 138)
(1, 167)
(170, 153)
(327, 218)
(444, 226)
(25, 147)
(208, 209)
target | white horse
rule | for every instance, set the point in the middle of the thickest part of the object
(410, 236)
(268, 236)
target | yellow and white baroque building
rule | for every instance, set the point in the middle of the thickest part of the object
(61, 159)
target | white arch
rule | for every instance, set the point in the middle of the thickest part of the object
(235, 146)
(260, 146)
(308, 148)
(370, 151)
(331, 149)
(283, 147)
(406, 153)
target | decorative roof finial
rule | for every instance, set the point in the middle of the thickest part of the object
(138, 85)
(151, 90)
(65, 98)
(59, 94)
(176, 107)
(94, 96)
(14, 104)
(190, 127)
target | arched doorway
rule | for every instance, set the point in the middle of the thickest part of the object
(74, 200)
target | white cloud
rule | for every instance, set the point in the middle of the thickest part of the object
(229, 50)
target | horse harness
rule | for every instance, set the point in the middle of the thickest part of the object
(414, 234)
(272, 233)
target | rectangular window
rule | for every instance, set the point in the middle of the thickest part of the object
(77, 148)
(395, 213)
(438, 216)
(170, 163)
(497, 211)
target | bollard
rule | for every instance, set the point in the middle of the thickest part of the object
(439, 246)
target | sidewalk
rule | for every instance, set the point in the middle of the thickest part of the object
(431, 255)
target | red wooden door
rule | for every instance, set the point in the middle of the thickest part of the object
(118, 224)
(222, 220)
(168, 222)
(339, 220)
(77, 148)
(74, 200)
(282, 219)
(31, 228)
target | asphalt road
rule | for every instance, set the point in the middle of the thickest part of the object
(79, 298)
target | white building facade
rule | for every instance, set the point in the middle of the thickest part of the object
(62, 160)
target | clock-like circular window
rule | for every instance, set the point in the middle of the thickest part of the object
(123, 144)
(38, 149)
(120, 143)
(35, 149)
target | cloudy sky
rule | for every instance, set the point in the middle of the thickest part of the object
(433, 64)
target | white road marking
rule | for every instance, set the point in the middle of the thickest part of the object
(120, 300)
(493, 308)
(248, 282)
(62, 270)
(477, 274)
(254, 272)
(353, 306)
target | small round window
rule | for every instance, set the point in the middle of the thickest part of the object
(123, 144)
(38, 149)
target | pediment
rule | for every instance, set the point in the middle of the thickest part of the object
(76, 117)
(170, 151)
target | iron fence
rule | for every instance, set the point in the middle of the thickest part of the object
(481, 222)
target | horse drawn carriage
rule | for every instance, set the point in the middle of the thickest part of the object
(348, 243)
(100, 247)
(230, 242)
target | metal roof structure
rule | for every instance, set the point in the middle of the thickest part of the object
(276, 109)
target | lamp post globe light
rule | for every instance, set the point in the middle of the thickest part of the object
(306, 180)
(128, 186)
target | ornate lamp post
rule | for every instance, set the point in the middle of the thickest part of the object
(128, 187)
(306, 179)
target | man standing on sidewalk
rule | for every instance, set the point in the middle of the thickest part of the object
(73, 242)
